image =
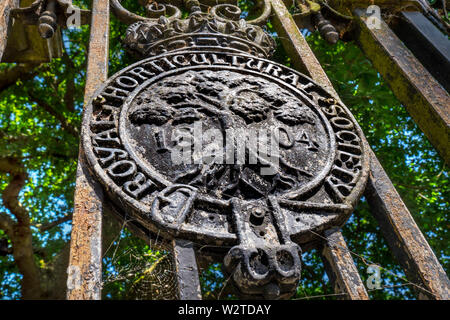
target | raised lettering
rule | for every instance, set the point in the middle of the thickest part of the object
(108, 154)
(138, 185)
(121, 169)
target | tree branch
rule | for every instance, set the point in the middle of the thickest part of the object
(6, 224)
(47, 226)
(10, 165)
(11, 193)
(10, 75)
(20, 232)
(6, 250)
(69, 95)
(59, 116)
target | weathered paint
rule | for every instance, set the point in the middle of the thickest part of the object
(403, 236)
(340, 267)
(5, 9)
(84, 271)
(24, 44)
(295, 44)
(425, 99)
(428, 44)
(85, 267)
(187, 271)
(429, 33)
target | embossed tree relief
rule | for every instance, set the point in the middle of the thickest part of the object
(208, 76)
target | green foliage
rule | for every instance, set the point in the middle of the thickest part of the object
(39, 124)
(412, 164)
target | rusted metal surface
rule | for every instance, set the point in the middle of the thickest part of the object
(84, 271)
(385, 194)
(428, 44)
(153, 11)
(425, 99)
(303, 58)
(341, 269)
(186, 269)
(24, 44)
(296, 46)
(199, 30)
(209, 72)
(404, 238)
(325, 28)
(5, 22)
(428, 32)
(48, 14)
(393, 7)
(84, 281)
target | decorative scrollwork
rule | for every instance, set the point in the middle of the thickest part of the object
(262, 19)
(153, 10)
(222, 12)
(226, 12)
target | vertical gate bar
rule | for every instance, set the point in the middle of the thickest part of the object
(295, 44)
(187, 271)
(340, 267)
(85, 264)
(428, 44)
(407, 243)
(425, 99)
(5, 9)
(381, 196)
(429, 33)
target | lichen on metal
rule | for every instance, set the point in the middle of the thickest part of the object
(21, 41)
(85, 264)
(340, 267)
(424, 98)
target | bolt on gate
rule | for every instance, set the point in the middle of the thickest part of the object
(285, 161)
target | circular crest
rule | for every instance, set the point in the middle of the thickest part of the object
(199, 145)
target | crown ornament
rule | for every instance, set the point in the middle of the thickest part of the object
(220, 28)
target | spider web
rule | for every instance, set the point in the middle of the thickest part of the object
(157, 282)
(138, 269)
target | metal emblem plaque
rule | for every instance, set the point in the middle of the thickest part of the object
(176, 141)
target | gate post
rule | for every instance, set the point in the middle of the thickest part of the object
(5, 16)
(186, 269)
(85, 265)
